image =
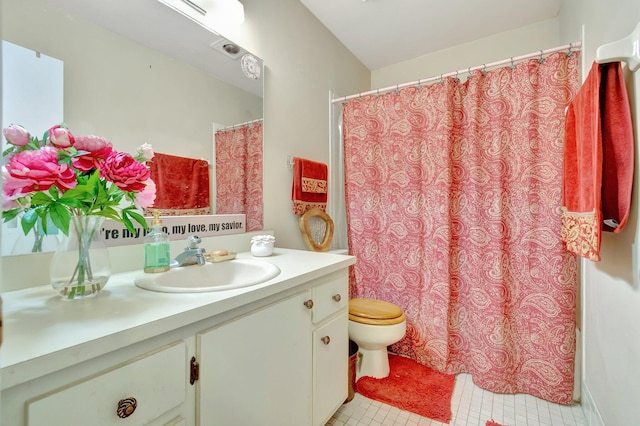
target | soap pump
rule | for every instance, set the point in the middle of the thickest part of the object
(157, 255)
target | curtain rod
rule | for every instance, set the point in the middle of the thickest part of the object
(571, 47)
(246, 123)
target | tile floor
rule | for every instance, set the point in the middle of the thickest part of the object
(470, 406)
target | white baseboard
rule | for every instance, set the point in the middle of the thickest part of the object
(591, 413)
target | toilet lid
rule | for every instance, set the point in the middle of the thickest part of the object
(372, 311)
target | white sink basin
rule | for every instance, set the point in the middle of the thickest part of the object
(216, 276)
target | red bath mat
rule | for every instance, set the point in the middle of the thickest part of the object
(412, 387)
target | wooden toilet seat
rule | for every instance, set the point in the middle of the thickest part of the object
(375, 312)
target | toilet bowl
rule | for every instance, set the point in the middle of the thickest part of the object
(374, 325)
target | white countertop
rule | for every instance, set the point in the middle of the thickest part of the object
(44, 333)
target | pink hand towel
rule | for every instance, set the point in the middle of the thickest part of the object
(598, 168)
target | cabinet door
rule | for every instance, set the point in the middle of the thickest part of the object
(330, 369)
(256, 370)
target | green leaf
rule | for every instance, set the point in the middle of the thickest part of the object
(8, 215)
(133, 214)
(60, 216)
(41, 199)
(29, 220)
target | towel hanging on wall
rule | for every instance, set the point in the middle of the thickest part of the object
(309, 187)
(599, 161)
(182, 185)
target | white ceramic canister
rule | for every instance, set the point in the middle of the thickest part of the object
(262, 245)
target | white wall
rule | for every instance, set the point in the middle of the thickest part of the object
(610, 288)
(304, 62)
(521, 41)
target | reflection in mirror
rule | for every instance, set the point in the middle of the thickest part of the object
(134, 73)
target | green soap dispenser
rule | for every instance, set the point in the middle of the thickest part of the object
(157, 255)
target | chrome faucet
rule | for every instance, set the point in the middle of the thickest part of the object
(192, 255)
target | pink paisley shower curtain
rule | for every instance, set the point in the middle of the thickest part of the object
(239, 173)
(453, 198)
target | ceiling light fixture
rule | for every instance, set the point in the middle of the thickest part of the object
(211, 13)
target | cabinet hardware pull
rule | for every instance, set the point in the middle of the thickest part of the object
(337, 297)
(194, 370)
(326, 340)
(308, 303)
(126, 407)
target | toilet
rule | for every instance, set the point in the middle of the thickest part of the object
(374, 325)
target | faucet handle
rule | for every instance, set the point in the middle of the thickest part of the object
(193, 241)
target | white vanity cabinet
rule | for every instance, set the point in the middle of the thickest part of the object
(271, 355)
(330, 346)
(284, 364)
(255, 370)
(148, 390)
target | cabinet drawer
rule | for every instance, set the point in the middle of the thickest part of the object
(330, 297)
(156, 381)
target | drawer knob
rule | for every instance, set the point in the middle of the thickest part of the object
(308, 303)
(126, 407)
(326, 340)
(337, 297)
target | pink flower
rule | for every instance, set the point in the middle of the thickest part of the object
(124, 171)
(16, 135)
(60, 137)
(11, 190)
(98, 149)
(38, 170)
(147, 196)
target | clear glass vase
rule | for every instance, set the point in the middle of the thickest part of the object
(80, 267)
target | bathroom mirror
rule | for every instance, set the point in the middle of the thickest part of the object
(138, 72)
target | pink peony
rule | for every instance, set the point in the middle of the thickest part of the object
(60, 137)
(147, 196)
(97, 148)
(11, 190)
(124, 171)
(16, 135)
(38, 170)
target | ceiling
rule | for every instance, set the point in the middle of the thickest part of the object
(385, 32)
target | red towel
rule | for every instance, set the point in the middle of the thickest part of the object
(182, 185)
(309, 187)
(599, 158)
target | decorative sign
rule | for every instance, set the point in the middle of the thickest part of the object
(177, 227)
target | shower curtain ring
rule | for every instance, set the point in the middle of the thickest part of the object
(420, 84)
(441, 79)
(456, 79)
(513, 66)
(469, 72)
(484, 69)
(397, 89)
(540, 59)
(570, 52)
